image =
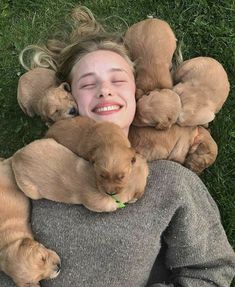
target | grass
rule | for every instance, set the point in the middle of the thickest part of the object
(203, 27)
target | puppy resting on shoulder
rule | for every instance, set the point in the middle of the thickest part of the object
(39, 93)
(202, 85)
(22, 258)
(104, 144)
(191, 146)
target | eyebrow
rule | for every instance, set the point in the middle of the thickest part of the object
(93, 74)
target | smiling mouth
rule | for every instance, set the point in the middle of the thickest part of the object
(107, 109)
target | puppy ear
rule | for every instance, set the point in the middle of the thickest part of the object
(65, 86)
(138, 94)
(91, 156)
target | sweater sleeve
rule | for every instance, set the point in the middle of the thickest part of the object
(198, 252)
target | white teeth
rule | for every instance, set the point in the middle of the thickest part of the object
(108, 108)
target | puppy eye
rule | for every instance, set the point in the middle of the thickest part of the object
(103, 176)
(133, 160)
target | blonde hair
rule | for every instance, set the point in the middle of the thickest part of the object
(87, 35)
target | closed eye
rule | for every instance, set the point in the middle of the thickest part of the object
(88, 86)
(118, 81)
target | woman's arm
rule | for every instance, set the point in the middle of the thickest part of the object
(198, 252)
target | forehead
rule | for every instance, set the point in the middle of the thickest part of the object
(101, 61)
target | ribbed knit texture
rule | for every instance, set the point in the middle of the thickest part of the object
(119, 249)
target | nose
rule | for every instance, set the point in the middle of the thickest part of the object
(104, 91)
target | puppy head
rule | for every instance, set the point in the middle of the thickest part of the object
(35, 262)
(160, 108)
(58, 103)
(113, 167)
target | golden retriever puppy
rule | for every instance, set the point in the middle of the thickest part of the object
(46, 169)
(38, 93)
(160, 109)
(190, 146)
(151, 43)
(21, 257)
(202, 85)
(104, 144)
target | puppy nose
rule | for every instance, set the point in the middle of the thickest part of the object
(73, 111)
(58, 267)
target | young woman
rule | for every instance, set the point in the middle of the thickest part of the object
(171, 237)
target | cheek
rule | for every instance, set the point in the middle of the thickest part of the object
(83, 101)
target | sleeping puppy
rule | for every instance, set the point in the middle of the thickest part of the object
(151, 43)
(191, 146)
(160, 109)
(102, 143)
(46, 169)
(21, 257)
(202, 85)
(38, 93)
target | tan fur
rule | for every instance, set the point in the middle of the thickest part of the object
(68, 178)
(21, 257)
(38, 93)
(104, 144)
(152, 44)
(202, 85)
(160, 109)
(191, 146)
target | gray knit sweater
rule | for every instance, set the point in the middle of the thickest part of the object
(176, 222)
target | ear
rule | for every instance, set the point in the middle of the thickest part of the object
(91, 156)
(138, 94)
(65, 86)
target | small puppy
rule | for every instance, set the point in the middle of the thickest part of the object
(191, 146)
(202, 85)
(21, 257)
(151, 43)
(160, 109)
(46, 169)
(38, 93)
(102, 143)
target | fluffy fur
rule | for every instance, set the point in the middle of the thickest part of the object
(104, 144)
(152, 44)
(202, 85)
(38, 93)
(21, 257)
(46, 169)
(191, 146)
(160, 109)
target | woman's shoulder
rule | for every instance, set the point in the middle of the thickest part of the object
(177, 184)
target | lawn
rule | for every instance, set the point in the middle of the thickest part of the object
(203, 28)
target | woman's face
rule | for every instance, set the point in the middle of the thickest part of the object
(103, 86)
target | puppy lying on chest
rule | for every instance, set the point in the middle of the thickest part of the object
(46, 169)
(38, 93)
(102, 143)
